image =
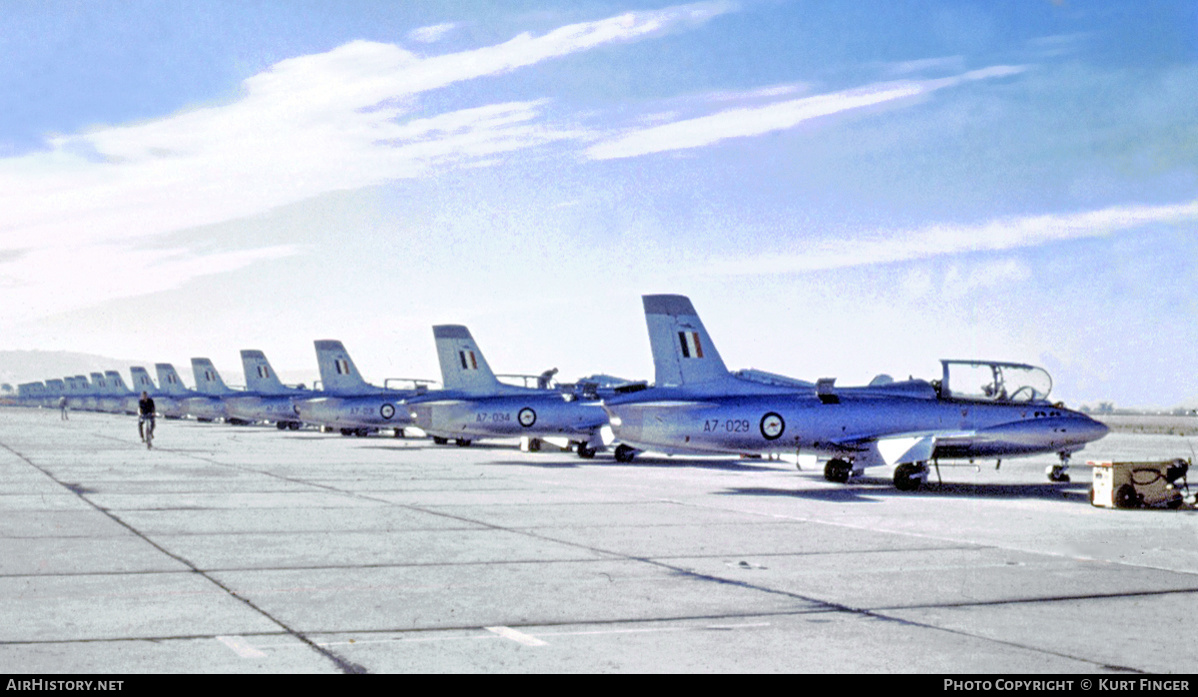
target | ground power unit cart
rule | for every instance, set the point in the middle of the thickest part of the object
(1140, 484)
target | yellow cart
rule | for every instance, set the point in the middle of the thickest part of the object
(1139, 484)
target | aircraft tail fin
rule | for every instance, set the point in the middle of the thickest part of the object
(142, 381)
(338, 374)
(683, 353)
(462, 364)
(208, 381)
(116, 381)
(259, 375)
(169, 380)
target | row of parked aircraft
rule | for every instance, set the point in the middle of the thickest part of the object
(977, 409)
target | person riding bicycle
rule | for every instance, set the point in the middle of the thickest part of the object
(145, 412)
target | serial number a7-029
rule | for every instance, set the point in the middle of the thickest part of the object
(726, 426)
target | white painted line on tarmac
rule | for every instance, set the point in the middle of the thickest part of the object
(517, 636)
(240, 646)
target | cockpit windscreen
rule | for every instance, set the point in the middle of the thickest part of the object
(984, 381)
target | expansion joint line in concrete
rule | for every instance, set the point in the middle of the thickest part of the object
(828, 606)
(342, 664)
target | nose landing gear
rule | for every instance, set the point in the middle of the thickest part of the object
(1058, 473)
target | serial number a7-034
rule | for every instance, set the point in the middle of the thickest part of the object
(492, 417)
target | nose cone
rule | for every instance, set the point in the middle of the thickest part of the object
(1087, 430)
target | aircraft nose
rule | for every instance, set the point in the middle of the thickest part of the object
(1087, 429)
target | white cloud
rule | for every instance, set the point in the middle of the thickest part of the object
(759, 120)
(59, 278)
(432, 34)
(943, 240)
(307, 126)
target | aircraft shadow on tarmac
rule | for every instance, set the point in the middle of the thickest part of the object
(428, 445)
(871, 490)
(671, 463)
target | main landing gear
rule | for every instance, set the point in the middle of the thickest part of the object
(460, 442)
(625, 453)
(908, 476)
(838, 470)
(1058, 473)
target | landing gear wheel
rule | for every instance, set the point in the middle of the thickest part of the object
(280, 425)
(399, 433)
(838, 471)
(438, 440)
(909, 476)
(1126, 497)
(463, 442)
(347, 431)
(625, 453)
(534, 445)
(586, 452)
(1057, 473)
(294, 425)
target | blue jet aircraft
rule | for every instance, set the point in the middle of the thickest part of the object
(210, 401)
(475, 404)
(979, 409)
(265, 397)
(126, 399)
(164, 404)
(170, 384)
(348, 402)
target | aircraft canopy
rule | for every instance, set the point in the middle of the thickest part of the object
(987, 381)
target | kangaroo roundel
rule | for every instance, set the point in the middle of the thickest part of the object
(527, 417)
(387, 411)
(772, 425)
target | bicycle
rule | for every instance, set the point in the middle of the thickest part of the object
(145, 425)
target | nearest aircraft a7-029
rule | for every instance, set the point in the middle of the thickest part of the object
(978, 409)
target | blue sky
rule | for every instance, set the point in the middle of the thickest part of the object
(843, 188)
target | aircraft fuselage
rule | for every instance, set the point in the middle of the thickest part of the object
(368, 411)
(685, 421)
(532, 414)
(253, 408)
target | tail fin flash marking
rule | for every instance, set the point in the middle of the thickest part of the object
(683, 352)
(258, 374)
(463, 365)
(337, 370)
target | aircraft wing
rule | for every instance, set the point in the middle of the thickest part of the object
(896, 448)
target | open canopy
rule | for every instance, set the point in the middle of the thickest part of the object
(988, 381)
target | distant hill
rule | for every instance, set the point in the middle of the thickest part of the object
(34, 366)
(17, 367)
